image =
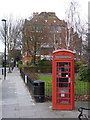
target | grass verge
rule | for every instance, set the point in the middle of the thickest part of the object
(81, 87)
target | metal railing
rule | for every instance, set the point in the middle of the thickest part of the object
(36, 88)
(28, 81)
(30, 85)
(81, 92)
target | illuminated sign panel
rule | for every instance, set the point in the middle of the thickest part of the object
(63, 56)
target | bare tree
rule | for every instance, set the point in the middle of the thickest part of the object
(74, 28)
(89, 36)
(32, 41)
(14, 30)
(83, 30)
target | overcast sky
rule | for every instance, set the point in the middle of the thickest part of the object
(25, 8)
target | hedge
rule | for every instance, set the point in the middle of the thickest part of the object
(39, 69)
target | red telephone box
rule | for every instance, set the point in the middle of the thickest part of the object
(63, 80)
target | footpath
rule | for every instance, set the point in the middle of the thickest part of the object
(16, 101)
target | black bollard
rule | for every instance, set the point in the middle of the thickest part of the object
(2, 72)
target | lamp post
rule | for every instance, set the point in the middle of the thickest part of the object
(5, 50)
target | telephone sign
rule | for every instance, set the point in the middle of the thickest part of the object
(63, 80)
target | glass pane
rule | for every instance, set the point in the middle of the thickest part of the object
(63, 101)
(62, 85)
(62, 64)
(65, 75)
(63, 69)
(63, 95)
(62, 79)
(63, 90)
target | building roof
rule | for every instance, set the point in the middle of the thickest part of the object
(46, 18)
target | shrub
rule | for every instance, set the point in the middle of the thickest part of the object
(84, 73)
(38, 69)
(44, 63)
(33, 76)
(77, 65)
(19, 64)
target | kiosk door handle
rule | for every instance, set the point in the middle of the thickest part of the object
(69, 80)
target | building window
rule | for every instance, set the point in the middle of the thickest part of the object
(45, 20)
(54, 21)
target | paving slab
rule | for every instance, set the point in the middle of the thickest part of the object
(16, 101)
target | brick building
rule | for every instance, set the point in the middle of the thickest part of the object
(44, 33)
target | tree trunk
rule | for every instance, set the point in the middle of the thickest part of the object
(34, 57)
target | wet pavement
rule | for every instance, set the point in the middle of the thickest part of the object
(16, 101)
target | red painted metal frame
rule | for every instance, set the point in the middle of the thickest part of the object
(59, 57)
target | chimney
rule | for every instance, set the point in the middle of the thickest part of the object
(35, 14)
(51, 13)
